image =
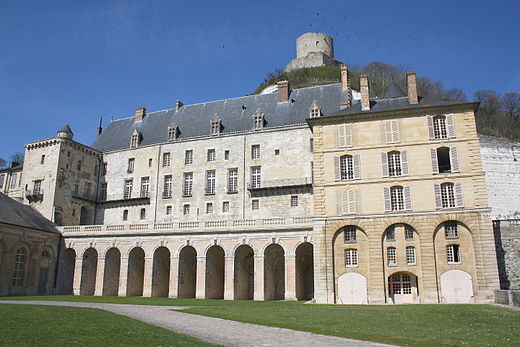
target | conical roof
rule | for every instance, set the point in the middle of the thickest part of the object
(66, 129)
(394, 91)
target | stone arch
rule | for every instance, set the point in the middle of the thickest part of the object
(215, 269)
(112, 271)
(403, 287)
(88, 271)
(243, 279)
(304, 271)
(352, 289)
(456, 287)
(461, 218)
(337, 226)
(187, 272)
(161, 272)
(135, 277)
(274, 272)
(67, 272)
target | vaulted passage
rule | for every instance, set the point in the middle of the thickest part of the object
(67, 274)
(304, 272)
(88, 272)
(135, 272)
(244, 273)
(274, 273)
(215, 273)
(161, 272)
(112, 269)
(187, 272)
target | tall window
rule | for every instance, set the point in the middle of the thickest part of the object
(258, 120)
(410, 255)
(187, 185)
(210, 182)
(186, 209)
(14, 179)
(256, 177)
(391, 256)
(188, 157)
(232, 180)
(294, 200)
(128, 189)
(394, 164)
(125, 215)
(439, 127)
(209, 207)
(131, 165)
(166, 159)
(453, 254)
(19, 267)
(226, 154)
(42, 160)
(172, 133)
(37, 187)
(346, 167)
(255, 152)
(396, 198)
(145, 187)
(349, 234)
(211, 155)
(150, 161)
(443, 159)
(450, 230)
(143, 213)
(447, 195)
(134, 140)
(351, 257)
(215, 126)
(103, 193)
(167, 191)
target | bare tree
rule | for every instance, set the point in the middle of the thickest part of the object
(511, 104)
(2, 162)
(489, 101)
(17, 157)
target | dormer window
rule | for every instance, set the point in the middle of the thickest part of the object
(172, 133)
(315, 110)
(215, 125)
(134, 140)
(258, 120)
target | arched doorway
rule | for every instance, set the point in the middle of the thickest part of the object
(304, 272)
(187, 272)
(352, 289)
(244, 273)
(274, 273)
(402, 288)
(88, 272)
(135, 272)
(112, 271)
(215, 273)
(44, 272)
(456, 287)
(161, 272)
(67, 274)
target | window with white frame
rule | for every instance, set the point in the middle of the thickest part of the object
(396, 198)
(391, 256)
(351, 257)
(232, 181)
(131, 165)
(134, 140)
(256, 177)
(209, 207)
(349, 234)
(225, 206)
(19, 267)
(186, 209)
(166, 159)
(169, 210)
(294, 200)
(314, 110)
(210, 182)
(255, 152)
(211, 155)
(255, 204)
(37, 187)
(187, 185)
(408, 233)
(346, 167)
(410, 255)
(168, 186)
(128, 189)
(394, 164)
(145, 187)
(439, 127)
(188, 157)
(390, 233)
(450, 230)
(447, 195)
(172, 133)
(453, 254)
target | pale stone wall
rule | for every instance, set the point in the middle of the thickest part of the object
(507, 240)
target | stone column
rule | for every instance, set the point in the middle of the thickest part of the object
(229, 278)
(323, 258)
(174, 278)
(290, 277)
(148, 277)
(100, 276)
(123, 274)
(200, 291)
(259, 278)
(76, 284)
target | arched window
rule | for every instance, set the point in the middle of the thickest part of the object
(390, 233)
(19, 267)
(351, 257)
(349, 234)
(450, 230)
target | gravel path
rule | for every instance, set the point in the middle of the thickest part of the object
(214, 330)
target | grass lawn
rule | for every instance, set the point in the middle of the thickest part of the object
(29, 325)
(406, 325)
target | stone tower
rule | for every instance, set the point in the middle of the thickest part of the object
(312, 50)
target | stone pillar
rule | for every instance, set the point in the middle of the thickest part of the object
(76, 284)
(100, 276)
(174, 278)
(259, 278)
(290, 277)
(148, 277)
(323, 270)
(200, 291)
(123, 274)
(7, 272)
(229, 274)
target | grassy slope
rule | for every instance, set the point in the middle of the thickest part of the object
(28, 325)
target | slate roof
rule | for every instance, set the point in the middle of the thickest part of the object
(394, 91)
(66, 129)
(194, 120)
(16, 213)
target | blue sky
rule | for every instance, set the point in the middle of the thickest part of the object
(75, 61)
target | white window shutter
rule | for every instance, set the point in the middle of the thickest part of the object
(388, 131)
(431, 131)
(356, 164)
(344, 200)
(388, 203)
(384, 164)
(458, 195)
(348, 134)
(435, 163)
(342, 141)
(454, 158)
(395, 131)
(438, 199)
(337, 173)
(451, 126)
(351, 201)
(404, 162)
(407, 198)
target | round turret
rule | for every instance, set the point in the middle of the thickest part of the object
(65, 132)
(314, 43)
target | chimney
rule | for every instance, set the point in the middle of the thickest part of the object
(345, 86)
(100, 128)
(178, 105)
(140, 113)
(413, 98)
(283, 91)
(365, 92)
